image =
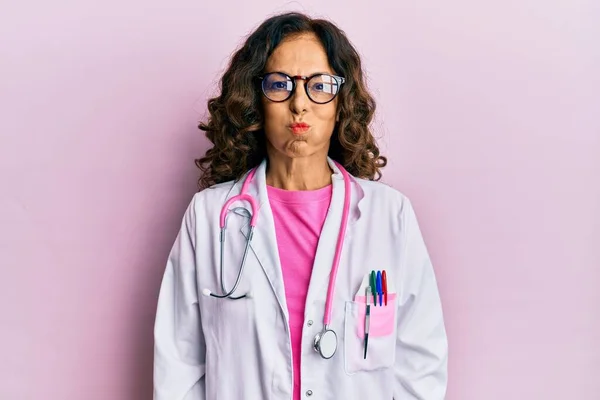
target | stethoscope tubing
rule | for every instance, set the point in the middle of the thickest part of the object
(253, 219)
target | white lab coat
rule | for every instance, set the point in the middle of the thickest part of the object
(221, 349)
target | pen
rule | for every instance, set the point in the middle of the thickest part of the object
(385, 289)
(367, 320)
(379, 288)
(373, 285)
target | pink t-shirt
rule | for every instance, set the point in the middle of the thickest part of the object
(299, 218)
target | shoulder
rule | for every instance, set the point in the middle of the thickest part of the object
(214, 192)
(206, 201)
(384, 195)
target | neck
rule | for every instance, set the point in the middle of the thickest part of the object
(305, 173)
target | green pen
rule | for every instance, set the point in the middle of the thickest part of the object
(373, 285)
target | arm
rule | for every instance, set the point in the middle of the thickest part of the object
(179, 348)
(421, 345)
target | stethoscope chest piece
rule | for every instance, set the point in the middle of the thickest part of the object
(326, 343)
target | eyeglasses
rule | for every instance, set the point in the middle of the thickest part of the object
(320, 88)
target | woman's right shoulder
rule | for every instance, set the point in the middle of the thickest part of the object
(211, 198)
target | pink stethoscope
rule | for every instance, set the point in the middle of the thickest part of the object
(325, 342)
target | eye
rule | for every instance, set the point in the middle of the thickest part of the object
(276, 82)
(278, 85)
(317, 86)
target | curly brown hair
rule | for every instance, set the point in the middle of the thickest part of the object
(235, 123)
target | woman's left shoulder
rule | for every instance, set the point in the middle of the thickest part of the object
(382, 193)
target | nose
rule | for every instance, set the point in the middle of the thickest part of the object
(299, 100)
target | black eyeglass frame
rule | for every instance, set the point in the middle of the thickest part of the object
(338, 79)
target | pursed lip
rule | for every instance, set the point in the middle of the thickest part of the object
(299, 127)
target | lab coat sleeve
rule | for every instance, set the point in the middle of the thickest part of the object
(421, 344)
(179, 347)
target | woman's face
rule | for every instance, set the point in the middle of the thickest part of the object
(300, 55)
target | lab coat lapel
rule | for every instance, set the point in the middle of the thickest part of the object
(264, 241)
(328, 240)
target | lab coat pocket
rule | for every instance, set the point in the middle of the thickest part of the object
(381, 349)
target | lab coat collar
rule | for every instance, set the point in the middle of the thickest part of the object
(258, 189)
(264, 242)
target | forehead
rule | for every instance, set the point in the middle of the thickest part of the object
(299, 55)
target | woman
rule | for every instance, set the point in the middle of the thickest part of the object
(279, 311)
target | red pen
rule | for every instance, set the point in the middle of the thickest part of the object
(384, 284)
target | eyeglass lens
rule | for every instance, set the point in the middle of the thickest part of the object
(321, 88)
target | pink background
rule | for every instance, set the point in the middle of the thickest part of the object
(488, 110)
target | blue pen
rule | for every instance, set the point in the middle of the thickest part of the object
(379, 288)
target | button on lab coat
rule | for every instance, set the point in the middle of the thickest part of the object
(213, 349)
